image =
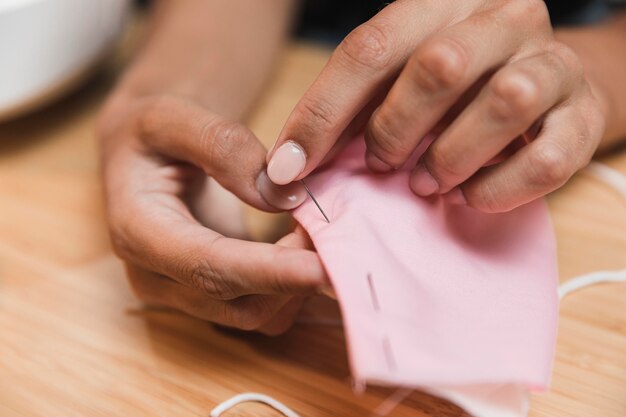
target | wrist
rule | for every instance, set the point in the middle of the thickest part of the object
(139, 85)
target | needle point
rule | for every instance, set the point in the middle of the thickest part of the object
(314, 200)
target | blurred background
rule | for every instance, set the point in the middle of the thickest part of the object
(74, 341)
(49, 47)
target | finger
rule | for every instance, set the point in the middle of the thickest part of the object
(277, 194)
(358, 124)
(253, 312)
(221, 267)
(246, 313)
(439, 72)
(301, 239)
(284, 319)
(517, 96)
(297, 239)
(224, 149)
(153, 228)
(371, 54)
(566, 143)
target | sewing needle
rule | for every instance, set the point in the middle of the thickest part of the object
(314, 200)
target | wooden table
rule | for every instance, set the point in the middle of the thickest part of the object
(75, 342)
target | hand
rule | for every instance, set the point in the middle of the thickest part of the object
(482, 73)
(154, 156)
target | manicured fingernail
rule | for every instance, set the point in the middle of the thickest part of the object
(422, 183)
(376, 164)
(284, 197)
(456, 196)
(287, 163)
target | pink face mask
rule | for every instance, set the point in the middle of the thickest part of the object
(437, 297)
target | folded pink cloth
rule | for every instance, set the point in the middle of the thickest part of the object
(434, 296)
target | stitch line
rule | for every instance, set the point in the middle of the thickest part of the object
(374, 296)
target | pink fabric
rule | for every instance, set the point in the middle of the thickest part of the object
(434, 295)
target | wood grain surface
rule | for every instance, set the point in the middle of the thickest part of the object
(75, 342)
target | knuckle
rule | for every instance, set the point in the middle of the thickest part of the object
(367, 46)
(485, 198)
(549, 167)
(384, 138)
(441, 162)
(565, 59)
(317, 115)
(440, 65)
(204, 277)
(595, 122)
(514, 96)
(588, 132)
(223, 139)
(566, 54)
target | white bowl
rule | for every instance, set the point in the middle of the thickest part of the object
(46, 46)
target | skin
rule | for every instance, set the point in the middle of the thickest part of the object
(161, 139)
(481, 74)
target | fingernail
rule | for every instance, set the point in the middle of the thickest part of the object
(287, 163)
(283, 197)
(456, 196)
(422, 183)
(376, 164)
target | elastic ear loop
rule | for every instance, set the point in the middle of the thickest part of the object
(616, 180)
(611, 177)
(253, 397)
(383, 410)
(588, 280)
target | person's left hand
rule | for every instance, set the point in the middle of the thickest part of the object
(158, 152)
(483, 73)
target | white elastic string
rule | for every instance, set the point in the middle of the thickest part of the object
(383, 410)
(610, 176)
(616, 180)
(587, 280)
(253, 397)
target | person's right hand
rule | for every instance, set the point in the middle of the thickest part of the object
(152, 157)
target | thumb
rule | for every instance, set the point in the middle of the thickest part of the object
(225, 150)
